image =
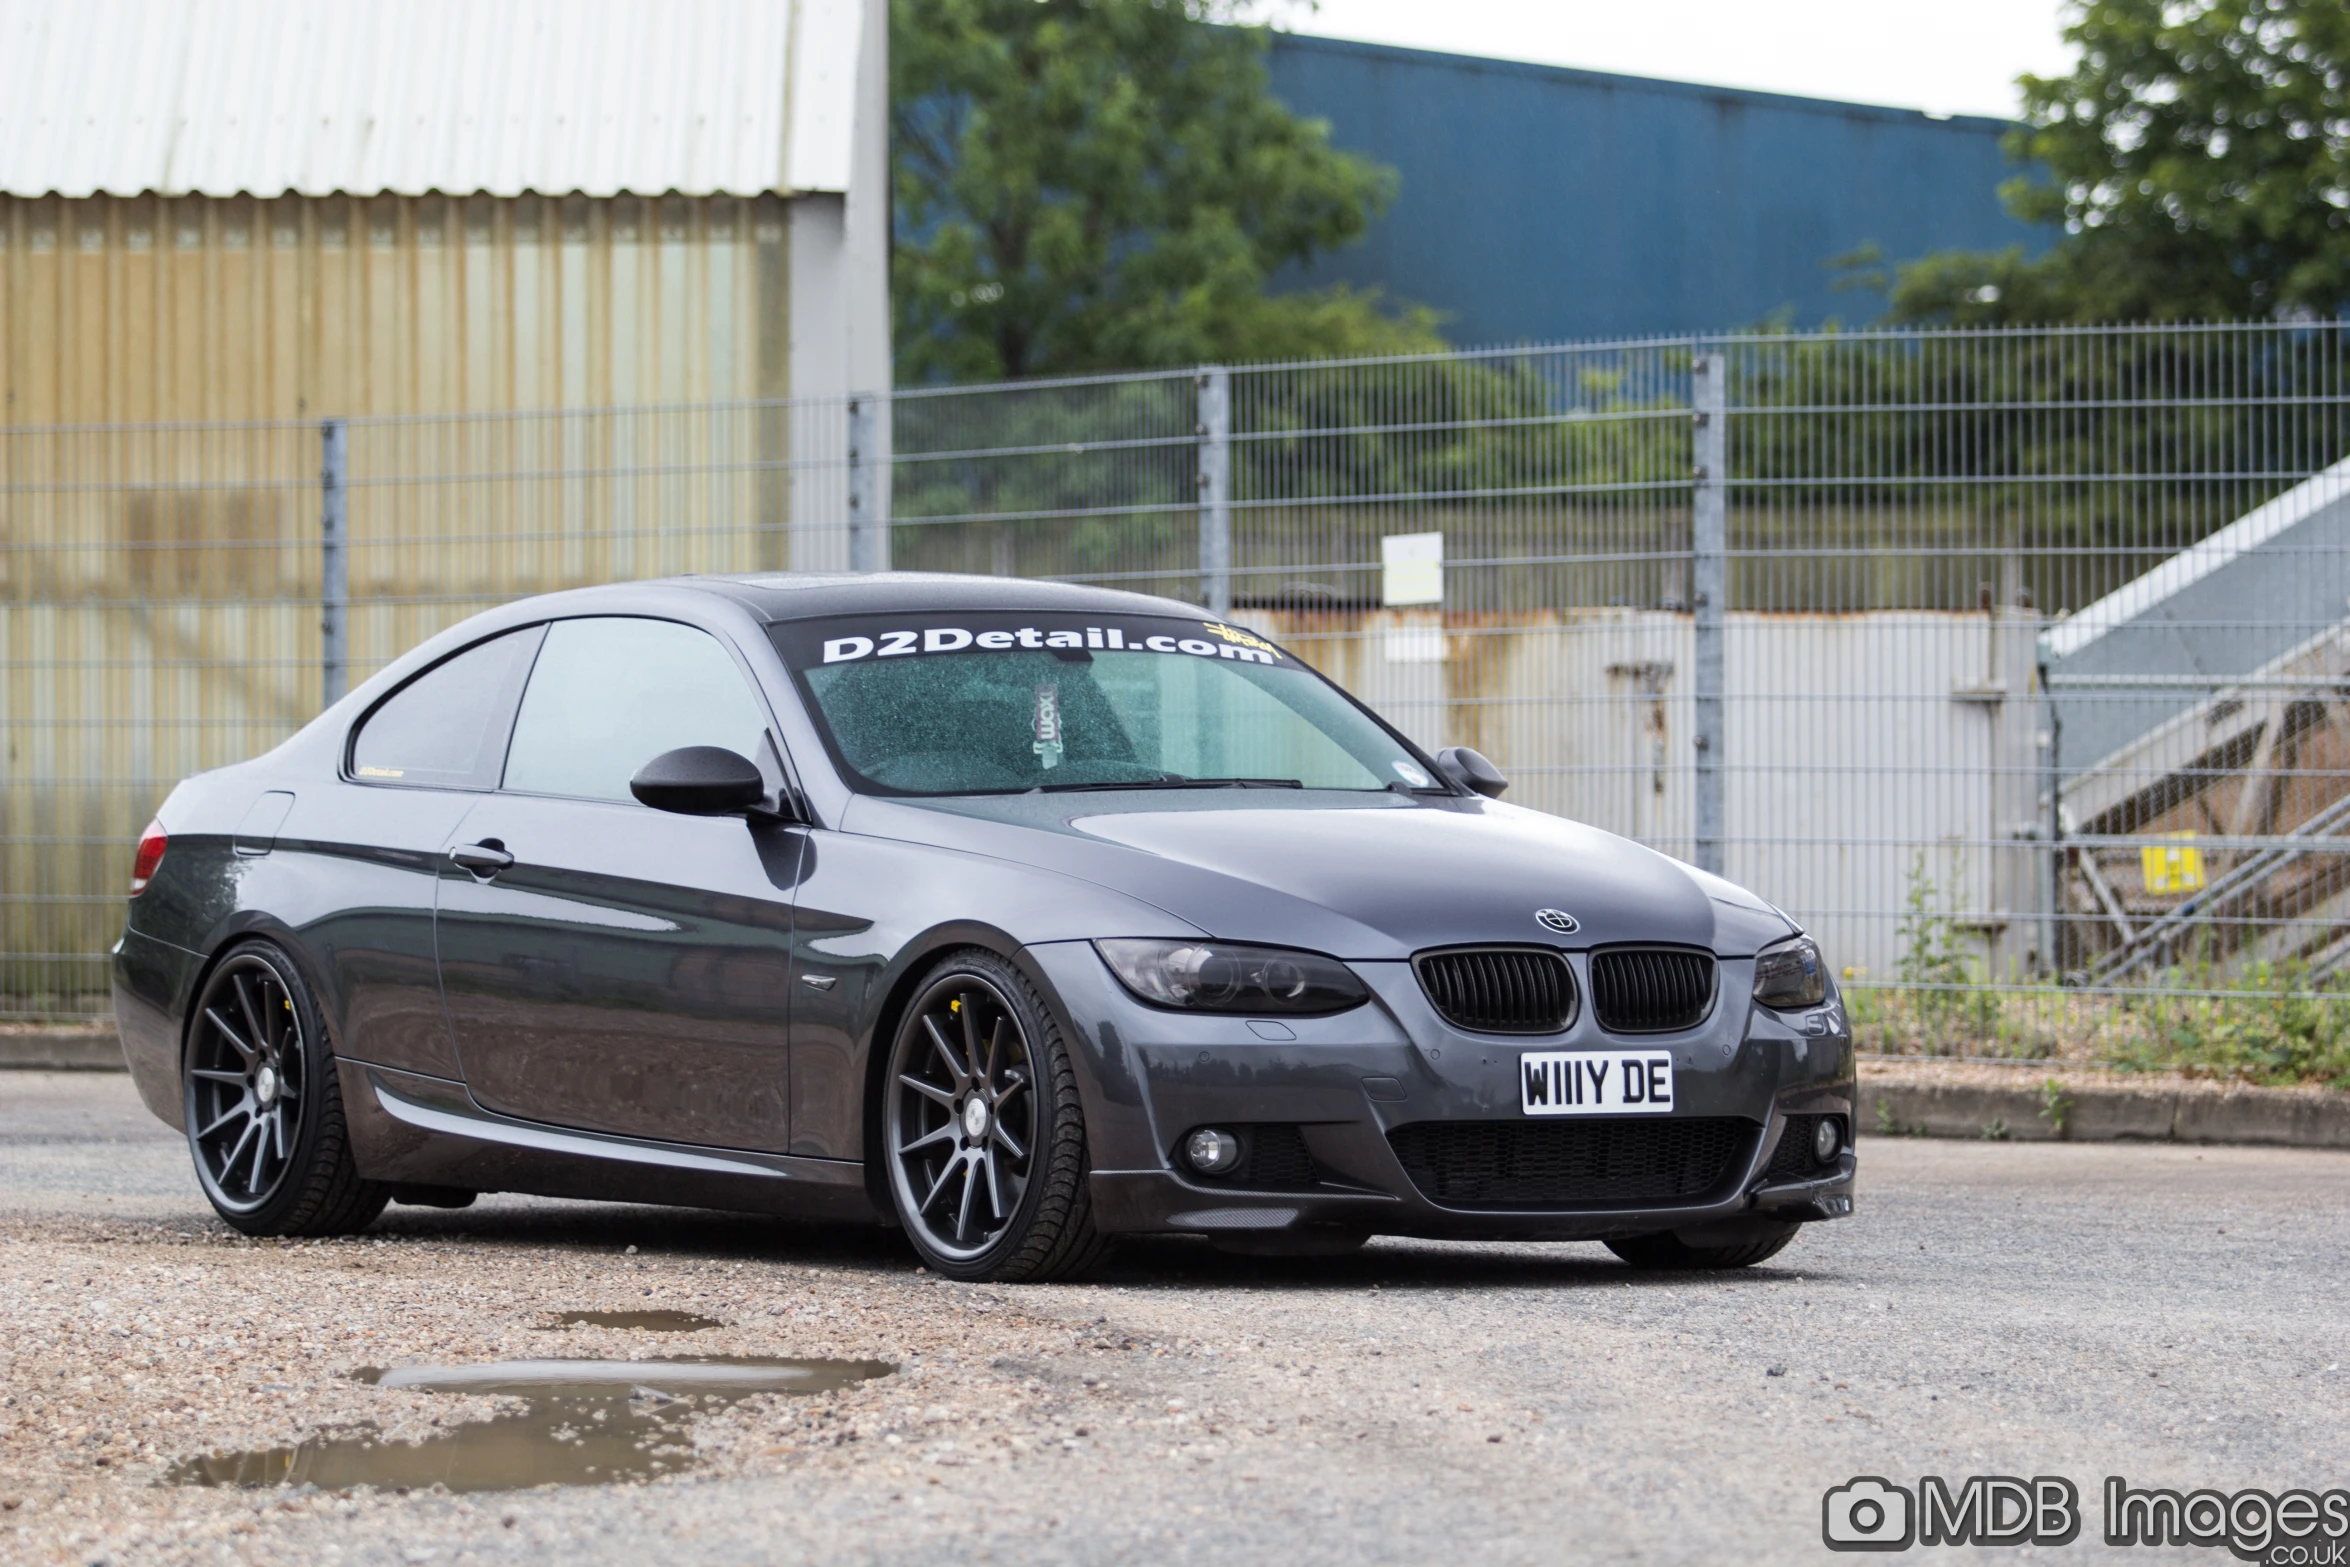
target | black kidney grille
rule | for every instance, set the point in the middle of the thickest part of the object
(1500, 990)
(1569, 1163)
(1651, 990)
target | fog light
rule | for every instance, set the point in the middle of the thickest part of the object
(1212, 1151)
(1826, 1138)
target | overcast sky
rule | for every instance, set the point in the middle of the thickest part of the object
(1953, 56)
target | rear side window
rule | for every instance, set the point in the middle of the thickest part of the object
(446, 728)
(611, 693)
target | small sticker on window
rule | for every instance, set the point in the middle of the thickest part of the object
(1411, 775)
(1048, 745)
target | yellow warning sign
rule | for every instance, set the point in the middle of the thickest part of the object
(2174, 867)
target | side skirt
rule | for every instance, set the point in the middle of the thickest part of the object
(428, 1131)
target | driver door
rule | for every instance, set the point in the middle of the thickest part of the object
(607, 966)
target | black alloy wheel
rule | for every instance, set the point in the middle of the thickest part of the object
(264, 1116)
(985, 1139)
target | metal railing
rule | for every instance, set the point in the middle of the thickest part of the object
(2011, 662)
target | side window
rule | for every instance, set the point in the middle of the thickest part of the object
(446, 728)
(609, 694)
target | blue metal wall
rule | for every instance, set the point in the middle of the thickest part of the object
(1541, 203)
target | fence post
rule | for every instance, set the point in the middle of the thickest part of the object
(1215, 490)
(1709, 582)
(334, 561)
(868, 516)
(2051, 804)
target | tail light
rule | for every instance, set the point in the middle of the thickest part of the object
(152, 843)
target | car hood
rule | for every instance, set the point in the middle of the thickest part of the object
(1357, 876)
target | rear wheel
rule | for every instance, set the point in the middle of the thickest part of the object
(264, 1113)
(1719, 1247)
(982, 1129)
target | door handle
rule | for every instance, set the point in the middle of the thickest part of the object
(485, 858)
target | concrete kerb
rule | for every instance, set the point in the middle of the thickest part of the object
(2024, 1104)
(83, 1047)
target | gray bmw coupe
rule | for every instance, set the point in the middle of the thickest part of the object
(1018, 915)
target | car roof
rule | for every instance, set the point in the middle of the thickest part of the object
(810, 595)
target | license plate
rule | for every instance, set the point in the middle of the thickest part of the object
(1596, 1082)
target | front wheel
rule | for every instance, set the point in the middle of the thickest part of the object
(982, 1130)
(1717, 1246)
(264, 1113)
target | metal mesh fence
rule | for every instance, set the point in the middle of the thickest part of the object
(2012, 663)
(163, 605)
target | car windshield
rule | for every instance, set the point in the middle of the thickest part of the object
(997, 703)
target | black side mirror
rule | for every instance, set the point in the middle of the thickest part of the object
(700, 780)
(1470, 770)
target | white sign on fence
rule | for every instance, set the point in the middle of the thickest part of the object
(1414, 569)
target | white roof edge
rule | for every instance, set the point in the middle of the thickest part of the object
(822, 113)
(2197, 561)
(407, 97)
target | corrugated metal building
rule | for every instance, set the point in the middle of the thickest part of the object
(1541, 204)
(250, 209)
(223, 221)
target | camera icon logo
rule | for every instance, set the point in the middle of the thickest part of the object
(1867, 1513)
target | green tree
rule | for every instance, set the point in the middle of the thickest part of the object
(2198, 160)
(1104, 184)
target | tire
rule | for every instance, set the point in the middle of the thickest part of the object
(264, 1112)
(998, 1191)
(1664, 1249)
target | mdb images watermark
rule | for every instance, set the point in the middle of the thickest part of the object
(2282, 1529)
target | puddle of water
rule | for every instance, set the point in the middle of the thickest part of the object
(639, 1321)
(588, 1422)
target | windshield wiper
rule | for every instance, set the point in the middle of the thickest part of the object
(1176, 783)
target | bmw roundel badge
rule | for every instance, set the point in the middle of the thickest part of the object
(1556, 920)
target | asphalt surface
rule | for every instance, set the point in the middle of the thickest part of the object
(2170, 1314)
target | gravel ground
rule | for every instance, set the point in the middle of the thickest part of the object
(2171, 1314)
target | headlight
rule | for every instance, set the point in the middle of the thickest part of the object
(1791, 974)
(1217, 976)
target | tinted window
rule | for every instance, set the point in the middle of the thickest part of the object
(608, 695)
(445, 728)
(997, 703)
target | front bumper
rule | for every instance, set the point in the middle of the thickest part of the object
(1345, 1083)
